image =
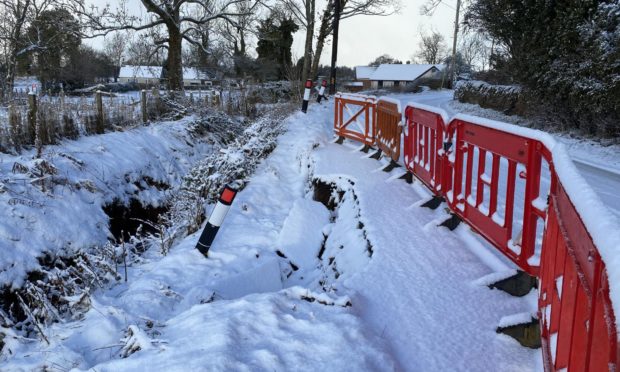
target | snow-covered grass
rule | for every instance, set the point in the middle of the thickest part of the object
(55, 202)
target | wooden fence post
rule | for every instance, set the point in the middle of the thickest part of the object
(99, 106)
(32, 117)
(145, 118)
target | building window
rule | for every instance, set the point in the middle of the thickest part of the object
(380, 84)
(396, 83)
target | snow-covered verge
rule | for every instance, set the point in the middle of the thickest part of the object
(55, 203)
(324, 262)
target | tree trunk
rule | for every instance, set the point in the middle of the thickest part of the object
(10, 73)
(324, 31)
(175, 63)
(310, 6)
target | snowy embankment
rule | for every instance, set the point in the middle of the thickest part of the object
(324, 262)
(55, 203)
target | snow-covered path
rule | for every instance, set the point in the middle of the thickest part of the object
(419, 290)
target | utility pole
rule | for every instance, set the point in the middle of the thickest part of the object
(332, 78)
(456, 34)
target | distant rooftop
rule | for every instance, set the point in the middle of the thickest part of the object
(404, 72)
(140, 72)
(364, 72)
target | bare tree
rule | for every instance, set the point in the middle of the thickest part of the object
(178, 19)
(237, 38)
(428, 9)
(431, 48)
(350, 8)
(472, 48)
(304, 12)
(17, 16)
(142, 51)
(115, 47)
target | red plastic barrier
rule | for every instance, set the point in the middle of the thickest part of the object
(423, 146)
(474, 192)
(578, 325)
(355, 118)
(577, 321)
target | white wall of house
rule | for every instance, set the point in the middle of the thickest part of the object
(145, 81)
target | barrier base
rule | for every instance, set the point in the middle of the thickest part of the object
(340, 140)
(376, 155)
(408, 177)
(527, 334)
(452, 223)
(434, 203)
(366, 148)
(391, 166)
(517, 285)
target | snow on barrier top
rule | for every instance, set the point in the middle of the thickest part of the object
(356, 96)
(392, 100)
(439, 111)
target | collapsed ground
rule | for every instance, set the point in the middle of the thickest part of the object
(323, 261)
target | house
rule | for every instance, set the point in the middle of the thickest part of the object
(195, 78)
(394, 75)
(144, 75)
(354, 86)
(362, 75)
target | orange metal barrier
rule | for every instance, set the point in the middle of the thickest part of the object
(354, 118)
(389, 129)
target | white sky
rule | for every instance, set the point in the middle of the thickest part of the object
(363, 38)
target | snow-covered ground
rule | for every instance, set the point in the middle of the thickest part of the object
(290, 285)
(55, 202)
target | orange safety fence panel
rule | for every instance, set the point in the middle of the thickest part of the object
(389, 128)
(354, 118)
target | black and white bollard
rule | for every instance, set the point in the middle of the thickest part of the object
(322, 91)
(215, 219)
(304, 105)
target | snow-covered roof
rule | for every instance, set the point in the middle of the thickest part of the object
(191, 73)
(399, 72)
(143, 72)
(364, 72)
